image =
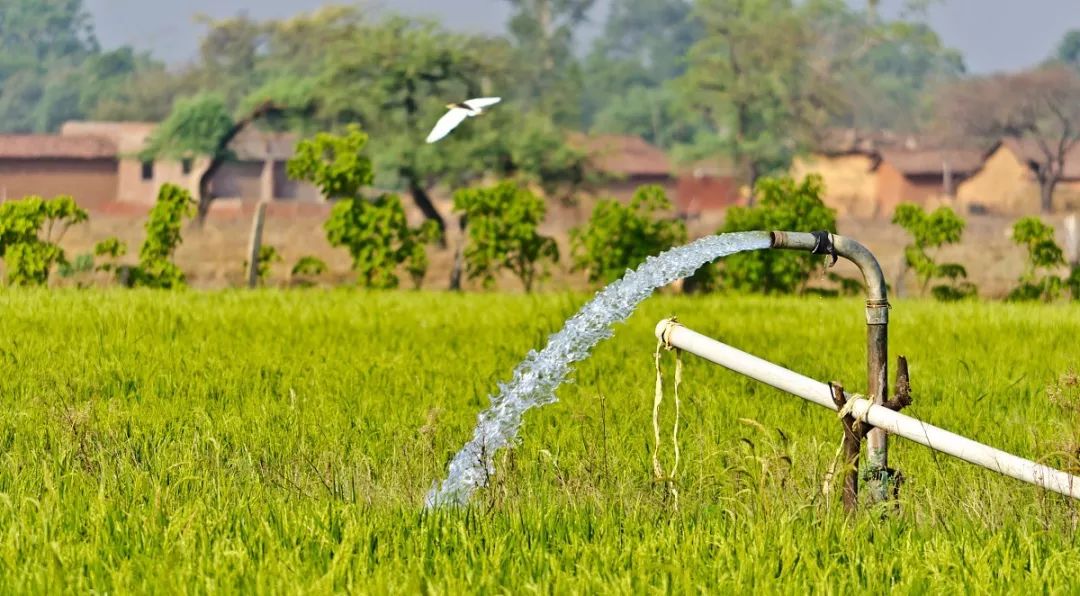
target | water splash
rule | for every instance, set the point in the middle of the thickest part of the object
(536, 378)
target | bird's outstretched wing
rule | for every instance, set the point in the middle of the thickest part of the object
(482, 102)
(448, 122)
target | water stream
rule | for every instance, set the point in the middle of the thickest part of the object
(538, 376)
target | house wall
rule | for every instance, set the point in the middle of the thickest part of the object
(894, 188)
(238, 180)
(87, 180)
(1006, 185)
(850, 182)
(290, 190)
(696, 195)
(624, 189)
(1003, 185)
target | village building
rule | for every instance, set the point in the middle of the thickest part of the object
(625, 162)
(926, 177)
(84, 167)
(255, 170)
(1006, 182)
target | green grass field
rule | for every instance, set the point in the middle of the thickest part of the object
(284, 442)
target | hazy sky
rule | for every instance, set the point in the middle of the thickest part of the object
(992, 34)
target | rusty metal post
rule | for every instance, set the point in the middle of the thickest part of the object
(877, 334)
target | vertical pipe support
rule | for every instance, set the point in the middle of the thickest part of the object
(877, 334)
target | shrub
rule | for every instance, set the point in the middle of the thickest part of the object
(268, 255)
(156, 269)
(379, 239)
(30, 230)
(932, 231)
(375, 232)
(620, 237)
(1043, 254)
(784, 205)
(502, 223)
(309, 266)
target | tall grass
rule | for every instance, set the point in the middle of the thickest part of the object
(283, 442)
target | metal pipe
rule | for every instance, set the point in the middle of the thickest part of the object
(877, 331)
(878, 416)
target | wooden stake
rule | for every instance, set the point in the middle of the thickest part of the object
(255, 243)
(853, 436)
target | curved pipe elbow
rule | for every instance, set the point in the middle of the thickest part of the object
(845, 247)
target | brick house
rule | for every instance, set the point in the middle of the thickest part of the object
(1006, 183)
(84, 167)
(927, 177)
(626, 161)
(257, 171)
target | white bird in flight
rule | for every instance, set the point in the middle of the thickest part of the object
(458, 113)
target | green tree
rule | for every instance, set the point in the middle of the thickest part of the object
(620, 237)
(395, 77)
(1068, 50)
(631, 66)
(375, 232)
(751, 76)
(52, 68)
(884, 68)
(30, 232)
(201, 126)
(549, 75)
(784, 205)
(932, 231)
(503, 222)
(1044, 254)
(156, 268)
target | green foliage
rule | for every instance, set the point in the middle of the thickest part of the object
(620, 237)
(52, 68)
(378, 237)
(1068, 50)
(309, 266)
(295, 427)
(642, 49)
(375, 232)
(503, 222)
(30, 230)
(751, 76)
(548, 73)
(195, 128)
(335, 164)
(268, 255)
(931, 231)
(156, 269)
(1043, 254)
(110, 247)
(786, 205)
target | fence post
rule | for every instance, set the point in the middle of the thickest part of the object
(1072, 240)
(255, 243)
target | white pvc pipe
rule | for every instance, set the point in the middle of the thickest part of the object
(878, 416)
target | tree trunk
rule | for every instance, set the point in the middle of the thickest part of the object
(1046, 194)
(423, 202)
(459, 256)
(205, 196)
(754, 175)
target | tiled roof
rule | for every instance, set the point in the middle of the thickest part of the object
(55, 147)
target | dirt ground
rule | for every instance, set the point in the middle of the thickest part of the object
(213, 257)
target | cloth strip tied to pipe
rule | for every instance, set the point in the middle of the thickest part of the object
(658, 469)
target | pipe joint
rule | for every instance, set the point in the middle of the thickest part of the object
(877, 312)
